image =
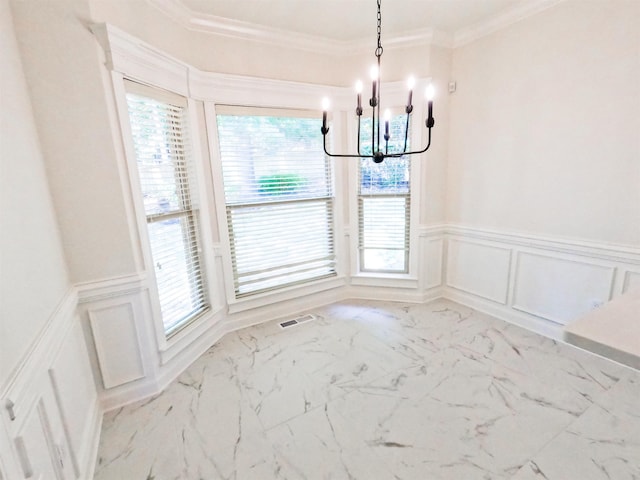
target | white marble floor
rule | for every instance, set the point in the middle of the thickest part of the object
(377, 390)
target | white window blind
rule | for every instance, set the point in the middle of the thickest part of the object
(161, 142)
(278, 195)
(384, 205)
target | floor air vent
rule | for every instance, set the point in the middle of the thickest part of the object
(297, 321)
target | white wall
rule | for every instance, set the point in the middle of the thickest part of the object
(545, 126)
(434, 170)
(46, 382)
(33, 274)
(62, 64)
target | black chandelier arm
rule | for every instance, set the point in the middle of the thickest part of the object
(415, 152)
(324, 146)
(385, 155)
(377, 127)
(359, 117)
(406, 130)
(373, 125)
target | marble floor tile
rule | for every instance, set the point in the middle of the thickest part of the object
(321, 444)
(380, 390)
(603, 444)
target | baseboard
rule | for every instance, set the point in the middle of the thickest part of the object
(505, 313)
(130, 393)
(388, 294)
(275, 311)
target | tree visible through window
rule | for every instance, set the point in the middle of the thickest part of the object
(278, 196)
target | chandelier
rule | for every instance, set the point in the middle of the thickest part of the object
(377, 154)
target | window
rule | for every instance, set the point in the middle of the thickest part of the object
(161, 142)
(278, 196)
(384, 205)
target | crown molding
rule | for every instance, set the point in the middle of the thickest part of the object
(215, 25)
(212, 24)
(502, 20)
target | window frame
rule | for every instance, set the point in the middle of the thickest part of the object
(225, 210)
(406, 196)
(395, 95)
(166, 338)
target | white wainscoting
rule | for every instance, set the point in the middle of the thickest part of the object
(479, 268)
(51, 416)
(560, 287)
(537, 282)
(116, 316)
(121, 334)
(432, 256)
(117, 343)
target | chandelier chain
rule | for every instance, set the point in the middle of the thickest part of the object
(379, 48)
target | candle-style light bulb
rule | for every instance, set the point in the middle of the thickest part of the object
(430, 93)
(325, 108)
(410, 83)
(359, 94)
(387, 119)
(373, 72)
(374, 85)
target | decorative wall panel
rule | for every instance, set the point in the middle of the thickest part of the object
(558, 288)
(479, 268)
(117, 346)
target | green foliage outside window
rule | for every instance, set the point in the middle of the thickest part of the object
(278, 184)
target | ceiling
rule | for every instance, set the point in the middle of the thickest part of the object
(352, 20)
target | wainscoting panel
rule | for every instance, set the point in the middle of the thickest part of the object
(76, 397)
(116, 342)
(560, 289)
(479, 268)
(631, 281)
(434, 248)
